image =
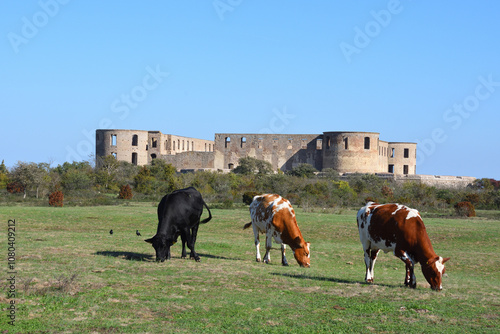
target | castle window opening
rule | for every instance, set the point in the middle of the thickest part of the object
(243, 141)
(407, 153)
(290, 144)
(405, 169)
(319, 144)
(367, 143)
(154, 142)
(259, 143)
(153, 156)
(328, 142)
(134, 140)
(183, 147)
(227, 142)
(173, 145)
(147, 147)
(114, 154)
(187, 145)
(391, 169)
(392, 152)
(192, 145)
(346, 143)
(113, 140)
(134, 158)
(230, 166)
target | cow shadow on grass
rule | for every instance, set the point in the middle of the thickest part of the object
(131, 256)
(328, 279)
(210, 256)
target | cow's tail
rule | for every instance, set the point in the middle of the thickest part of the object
(206, 220)
(247, 225)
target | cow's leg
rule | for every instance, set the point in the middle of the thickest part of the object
(190, 244)
(370, 258)
(183, 239)
(192, 241)
(168, 252)
(410, 279)
(283, 257)
(257, 242)
(269, 244)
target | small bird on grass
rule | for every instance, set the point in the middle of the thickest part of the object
(137, 233)
(110, 231)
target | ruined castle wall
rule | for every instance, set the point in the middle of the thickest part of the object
(438, 181)
(283, 151)
(125, 145)
(403, 158)
(351, 152)
(190, 160)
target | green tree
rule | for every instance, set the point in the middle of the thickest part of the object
(31, 176)
(106, 171)
(249, 165)
(303, 170)
(4, 175)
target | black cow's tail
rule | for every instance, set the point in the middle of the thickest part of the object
(206, 220)
(247, 225)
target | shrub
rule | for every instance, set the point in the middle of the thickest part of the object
(465, 209)
(248, 197)
(15, 187)
(56, 198)
(125, 192)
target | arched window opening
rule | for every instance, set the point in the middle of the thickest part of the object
(135, 140)
(134, 158)
(227, 142)
(346, 143)
(243, 142)
(153, 156)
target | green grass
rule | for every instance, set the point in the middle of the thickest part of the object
(74, 277)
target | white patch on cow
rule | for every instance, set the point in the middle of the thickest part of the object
(440, 265)
(412, 213)
(399, 208)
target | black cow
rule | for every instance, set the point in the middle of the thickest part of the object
(178, 214)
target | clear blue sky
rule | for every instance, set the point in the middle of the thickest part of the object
(414, 71)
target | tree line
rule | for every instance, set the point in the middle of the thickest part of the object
(101, 182)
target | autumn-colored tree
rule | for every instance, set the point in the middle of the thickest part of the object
(56, 198)
(125, 192)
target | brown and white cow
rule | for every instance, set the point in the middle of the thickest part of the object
(397, 228)
(274, 215)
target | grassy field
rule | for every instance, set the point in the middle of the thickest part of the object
(72, 276)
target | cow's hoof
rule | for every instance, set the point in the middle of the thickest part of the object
(267, 261)
(369, 280)
(197, 259)
(183, 257)
(285, 264)
(258, 260)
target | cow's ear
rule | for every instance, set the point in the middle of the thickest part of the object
(150, 240)
(445, 259)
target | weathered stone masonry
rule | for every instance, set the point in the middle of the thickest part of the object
(345, 152)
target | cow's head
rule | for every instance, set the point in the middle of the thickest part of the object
(433, 271)
(161, 246)
(303, 255)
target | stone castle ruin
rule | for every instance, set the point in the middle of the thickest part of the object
(344, 152)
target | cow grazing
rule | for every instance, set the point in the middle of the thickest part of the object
(274, 215)
(178, 214)
(397, 228)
